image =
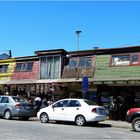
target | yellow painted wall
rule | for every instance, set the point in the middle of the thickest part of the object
(11, 64)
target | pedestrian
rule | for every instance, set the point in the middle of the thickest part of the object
(44, 102)
(37, 104)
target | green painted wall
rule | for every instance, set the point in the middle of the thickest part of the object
(103, 69)
(11, 65)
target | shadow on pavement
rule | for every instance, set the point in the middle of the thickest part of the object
(91, 124)
(86, 125)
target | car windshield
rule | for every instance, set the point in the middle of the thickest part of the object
(21, 100)
(90, 102)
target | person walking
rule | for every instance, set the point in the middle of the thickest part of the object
(44, 103)
(37, 104)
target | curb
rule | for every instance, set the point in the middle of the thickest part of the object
(118, 124)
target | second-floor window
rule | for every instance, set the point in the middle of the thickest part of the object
(84, 62)
(134, 59)
(24, 66)
(72, 63)
(50, 67)
(120, 60)
(3, 68)
(125, 60)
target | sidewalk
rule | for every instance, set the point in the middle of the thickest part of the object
(119, 124)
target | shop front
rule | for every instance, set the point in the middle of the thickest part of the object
(119, 96)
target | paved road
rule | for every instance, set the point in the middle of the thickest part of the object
(34, 130)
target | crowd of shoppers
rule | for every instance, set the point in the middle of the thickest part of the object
(39, 100)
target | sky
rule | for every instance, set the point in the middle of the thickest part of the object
(29, 26)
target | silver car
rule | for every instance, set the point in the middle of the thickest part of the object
(13, 106)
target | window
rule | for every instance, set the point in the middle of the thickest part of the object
(29, 66)
(24, 66)
(62, 104)
(120, 60)
(3, 68)
(89, 102)
(4, 100)
(74, 103)
(72, 63)
(21, 100)
(125, 60)
(50, 67)
(84, 62)
(134, 59)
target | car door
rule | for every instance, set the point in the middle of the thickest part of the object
(4, 101)
(74, 108)
(58, 110)
(0, 107)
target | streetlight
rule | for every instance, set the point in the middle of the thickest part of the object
(78, 35)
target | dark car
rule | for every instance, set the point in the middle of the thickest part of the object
(133, 116)
(13, 106)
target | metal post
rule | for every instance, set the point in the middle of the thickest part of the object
(78, 35)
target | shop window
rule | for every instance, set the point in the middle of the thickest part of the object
(3, 68)
(24, 66)
(134, 59)
(120, 60)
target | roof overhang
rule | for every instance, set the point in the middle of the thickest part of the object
(12, 82)
(42, 81)
(117, 81)
(68, 80)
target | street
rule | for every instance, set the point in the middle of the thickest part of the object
(34, 130)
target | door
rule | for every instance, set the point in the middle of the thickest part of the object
(4, 101)
(58, 110)
(73, 109)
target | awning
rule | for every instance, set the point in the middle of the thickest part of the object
(42, 81)
(10, 82)
(3, 82)
(117, 80)
(68, 80)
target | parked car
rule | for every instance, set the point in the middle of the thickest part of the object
(13, 106)
(133, 116)
(79, 111)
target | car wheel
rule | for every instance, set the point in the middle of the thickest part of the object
(136, 124)
(80, 120)
(7, 115)
(44, 118)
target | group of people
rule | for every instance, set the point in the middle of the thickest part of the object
(39, 101)
(43, 101)
(120, 105)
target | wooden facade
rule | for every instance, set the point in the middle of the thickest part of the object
(10, 63)
(25, 74)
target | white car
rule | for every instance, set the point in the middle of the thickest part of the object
(79, 111)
